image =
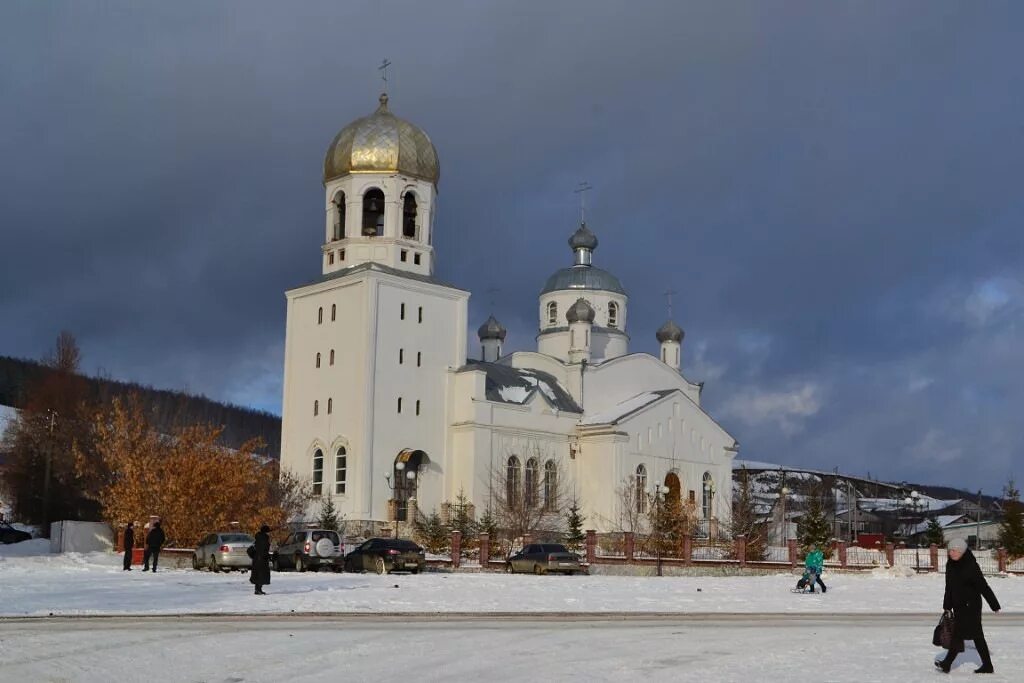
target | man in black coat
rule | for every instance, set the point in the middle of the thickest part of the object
(154, 541)
(259, 576)
(129, 545)
(965, 586)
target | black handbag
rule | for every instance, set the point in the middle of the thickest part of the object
(251, 552)
(943, 636)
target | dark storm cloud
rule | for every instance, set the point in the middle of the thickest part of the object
(833, 190)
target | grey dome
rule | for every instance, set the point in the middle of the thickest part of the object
(583, 277)
(580, 311)
(492, 329)
(670, 332)
(583, 239)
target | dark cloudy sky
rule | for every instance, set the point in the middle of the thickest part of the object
(834, 189)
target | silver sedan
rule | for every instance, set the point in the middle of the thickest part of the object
(226, 550)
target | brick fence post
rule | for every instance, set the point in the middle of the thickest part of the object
(591, 546)
(687, 549)
(791, 546)
(485, 550)
(456, 548)
(890, 554)
(933, 555)
(741, 550)
(1002, 560)
(628, 542)
(841, 550)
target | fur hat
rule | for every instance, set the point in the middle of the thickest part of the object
(959, 545)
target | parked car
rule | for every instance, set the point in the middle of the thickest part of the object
(310, 549)
(385, 555)
(225, 550)
(541, 558)
(8, 534)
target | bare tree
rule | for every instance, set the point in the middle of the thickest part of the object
(527, 495)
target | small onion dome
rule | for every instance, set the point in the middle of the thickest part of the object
(492, 329)
(580, 312)
(583, 239)
(670, 332)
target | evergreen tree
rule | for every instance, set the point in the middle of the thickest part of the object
(745, 520)
(461, 520)
(814, 530)
(933, 534)
(432, 533)
(488, 524)
(328, 515)
(1011, 531)
(574, 536)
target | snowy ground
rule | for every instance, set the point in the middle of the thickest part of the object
(75, 584)
(439, 626)
(236, 650)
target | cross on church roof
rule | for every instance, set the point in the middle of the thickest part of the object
(668, 295)
(582, 191)
(383, 68)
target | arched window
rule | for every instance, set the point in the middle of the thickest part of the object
(318, 360)
(409, 216)
(318, 472)
(334, 312)
(613, 314)
(513, 482)
(707, 502)
(373, 213)
(332, 356)
(320, 316)
(530, 489)
(340, 470)
(641, 489)
(330, 405)
(339, 215)
(550, 485)
(552, 313)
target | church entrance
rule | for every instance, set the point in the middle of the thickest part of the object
(406, 480)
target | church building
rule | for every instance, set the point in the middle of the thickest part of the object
(385, 411)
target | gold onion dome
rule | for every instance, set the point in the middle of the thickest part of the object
(382, 143)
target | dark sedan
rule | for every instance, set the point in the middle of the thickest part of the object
(385, 555)
(541, 558)
(8, 534)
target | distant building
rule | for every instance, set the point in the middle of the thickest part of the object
(384, 411)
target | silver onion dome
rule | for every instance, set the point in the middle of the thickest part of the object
(492, 329)
(580, 311)
(670, 332)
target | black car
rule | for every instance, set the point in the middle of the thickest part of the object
(8, 534)
(385, 555)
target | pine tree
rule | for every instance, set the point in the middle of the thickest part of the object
(814, 530)
(432, 533)
(745, 521)
(933, 534)
(574, 536)
(1011, 530)
(328, 515)
(461, 520)
(488, 524)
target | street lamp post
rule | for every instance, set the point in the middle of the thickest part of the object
(913, 501)
(410, 476)
(659, 493)
(783, 492)
(46, 474)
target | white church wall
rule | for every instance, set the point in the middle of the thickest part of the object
(603, 345)
(618, 379)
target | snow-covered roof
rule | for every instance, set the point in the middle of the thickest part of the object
(506, 384)
(625, 408)
(927, 504)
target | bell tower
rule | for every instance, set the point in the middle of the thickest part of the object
(380, 188)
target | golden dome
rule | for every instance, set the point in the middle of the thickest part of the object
(382, 143)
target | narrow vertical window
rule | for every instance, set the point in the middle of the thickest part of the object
(334, 312)
(332, 357)
(420, 314)
(613, 314)
(341, 254)
(399, 404)
(340, 470)
(417, 407)
(401, 356)
(339, 215)
(550, 486)
(403, 255)
(318, 360)
(419, 358)
(318, 472)
(416, 259)
(641, 489)
(320, 316)
(513, 483)
(530, 489)
(330, 258)
(552, 313)
(330, 405)
(401, 312)
(409, 216)
(316, 408)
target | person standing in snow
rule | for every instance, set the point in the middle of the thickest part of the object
(259, 575)
(129, 545)
(814, 564)
(154, 541)
(965, 586)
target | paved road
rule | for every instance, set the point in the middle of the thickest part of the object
(555, 647)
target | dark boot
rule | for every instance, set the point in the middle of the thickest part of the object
(946, 664)
(986, 657)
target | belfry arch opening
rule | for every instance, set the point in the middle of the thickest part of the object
(338, 211)
(405, 480)
(410, 212)
(373, 213)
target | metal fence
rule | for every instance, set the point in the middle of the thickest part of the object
(1015, 566)
(917, 558)
(776, 553)
(865, 557)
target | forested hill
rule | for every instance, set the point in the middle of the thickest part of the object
(168, 409)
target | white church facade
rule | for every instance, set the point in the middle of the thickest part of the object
(384, 410)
